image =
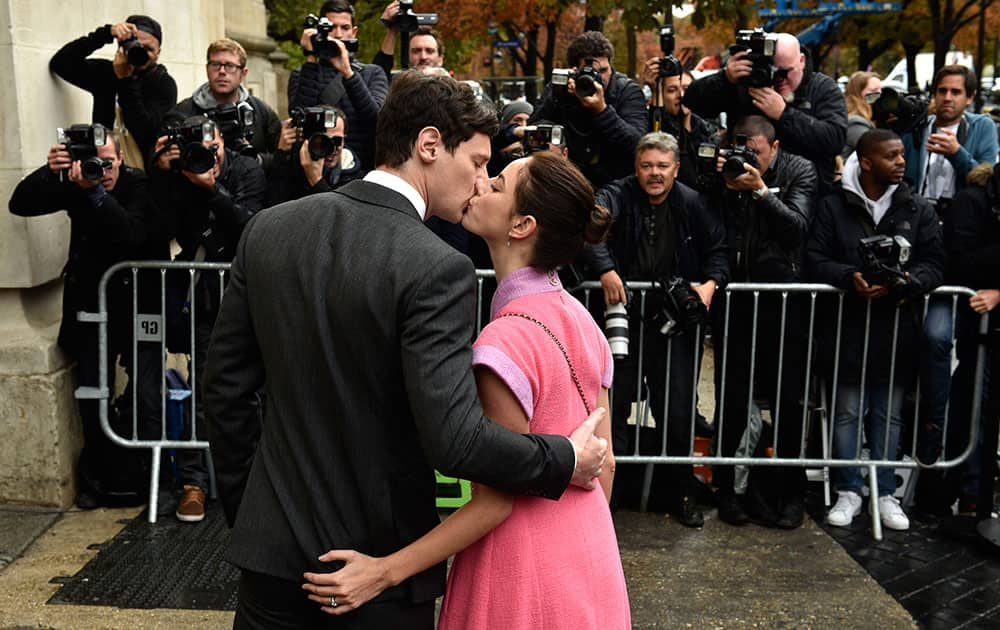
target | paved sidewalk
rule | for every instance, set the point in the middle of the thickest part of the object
(716, 577)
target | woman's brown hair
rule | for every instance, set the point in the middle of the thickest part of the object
(559, 197)
(856, 103)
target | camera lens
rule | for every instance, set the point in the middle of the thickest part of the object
(616, 328)
(585, 85)
(92, 169)
(135, 53)
(197, 158)
(321, 146)
(733, 167)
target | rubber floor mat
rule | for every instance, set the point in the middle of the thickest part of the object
(167, 564)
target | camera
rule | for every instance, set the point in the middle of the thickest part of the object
(235, 123)
(669, 66)
(81, 142)
(587, 78)
(324, 46)
(736, 157)
(135, 54)
(616, 329)
(910, 111)
(705, 165)
(314, 121)
(667, 40)
(538, 137)
(760, 47)
(682, 308)
(882, 261)
(406, 21)
(190, 138)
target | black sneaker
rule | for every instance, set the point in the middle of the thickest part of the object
(688, 514)
(791, 516)
(731, 510)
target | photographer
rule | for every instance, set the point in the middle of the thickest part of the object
(974, 259)
(874, 202)
(332, 76)
(303, 164)
(603, 111)
(142, 87)
(767, 197)
(667, 113)
(806, 108)
(662, 230)
(426, 48)
(939, 156)
(212, 193)
(226, 66)
(112, 219)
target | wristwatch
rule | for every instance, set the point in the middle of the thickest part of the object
(760, 193)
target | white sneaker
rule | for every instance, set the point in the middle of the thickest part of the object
(892, 514)
(848, 506)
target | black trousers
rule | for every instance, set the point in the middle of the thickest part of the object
(271, 603)
(675, 394)
(734, 351)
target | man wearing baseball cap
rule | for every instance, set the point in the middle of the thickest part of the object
(133, 81)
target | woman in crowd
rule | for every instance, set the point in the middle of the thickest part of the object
(863, 89)
(523, 562)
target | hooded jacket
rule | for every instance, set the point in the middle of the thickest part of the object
(266, 124)
(842, 219)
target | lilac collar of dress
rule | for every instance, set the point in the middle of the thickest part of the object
(524, 281)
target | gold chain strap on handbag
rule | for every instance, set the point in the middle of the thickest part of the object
(572, 372)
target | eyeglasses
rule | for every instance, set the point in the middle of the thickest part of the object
(215, 66)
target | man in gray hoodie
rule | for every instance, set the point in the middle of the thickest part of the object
(226, 68)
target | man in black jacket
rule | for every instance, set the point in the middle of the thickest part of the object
(112, 219)
(226, 65)
(807, 108)
(358, 89)
(294, 173)
(662, 229)
(144, 93)
(874, 201)
(602, 128)
(208, 213)
(767, 210)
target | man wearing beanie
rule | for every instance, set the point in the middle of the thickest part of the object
(134, 81)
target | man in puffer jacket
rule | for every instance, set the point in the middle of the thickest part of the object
(359, 89)
(874, 201)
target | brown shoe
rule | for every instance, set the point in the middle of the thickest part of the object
(191, 507)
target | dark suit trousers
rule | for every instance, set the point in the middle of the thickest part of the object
(270, 603)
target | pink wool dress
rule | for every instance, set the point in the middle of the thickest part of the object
(551, 565)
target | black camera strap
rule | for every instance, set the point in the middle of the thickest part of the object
(562, 349)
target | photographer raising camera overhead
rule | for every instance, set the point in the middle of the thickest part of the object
(602, 111)
(663, 231)
(225, 99)
(143, 89)
(332, 76)
(767, 74)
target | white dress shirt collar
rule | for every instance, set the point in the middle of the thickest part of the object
(400, 185)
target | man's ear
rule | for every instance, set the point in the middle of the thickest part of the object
(864, 164)
(429, 145)
(524, 226)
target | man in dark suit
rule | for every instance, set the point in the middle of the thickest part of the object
(359, 321)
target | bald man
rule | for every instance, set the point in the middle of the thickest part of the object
(806, 107)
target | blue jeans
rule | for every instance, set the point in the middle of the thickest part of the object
(845, 436)
(935, 368)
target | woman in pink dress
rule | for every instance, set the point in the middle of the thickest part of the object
(524, 562)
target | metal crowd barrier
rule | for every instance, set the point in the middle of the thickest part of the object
(149, 328)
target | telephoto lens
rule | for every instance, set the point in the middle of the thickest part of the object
(616, 328)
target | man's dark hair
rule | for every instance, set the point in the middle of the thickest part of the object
(589, 44)
(755, 125)
(960, 70)
(337, 6)
(430, 32)
(416, 101)
(870, 140)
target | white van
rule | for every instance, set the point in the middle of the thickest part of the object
(925, 69)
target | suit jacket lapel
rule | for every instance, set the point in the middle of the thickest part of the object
(378, 195)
